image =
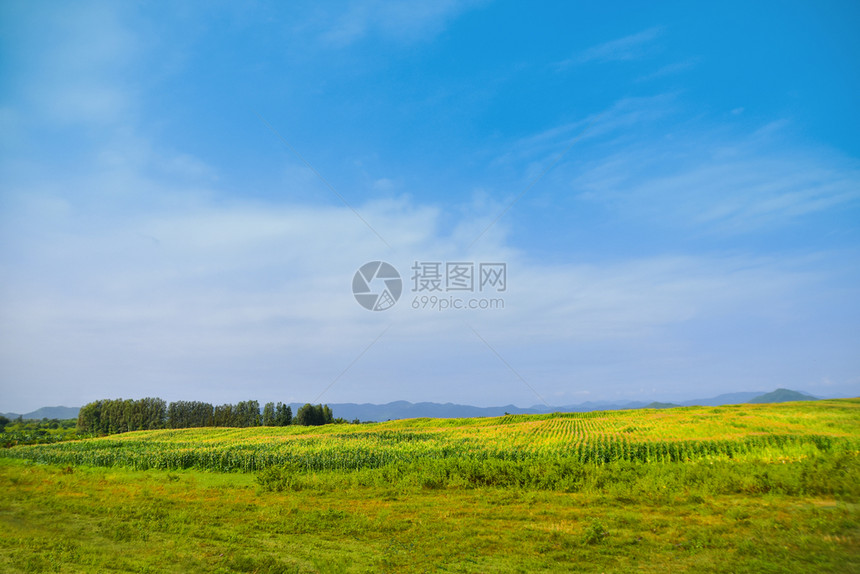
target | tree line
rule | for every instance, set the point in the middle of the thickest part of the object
(111, 416)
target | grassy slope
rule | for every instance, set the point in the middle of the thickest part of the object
(622, 517)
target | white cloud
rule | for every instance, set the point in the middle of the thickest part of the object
(182, 301)
(130, 286)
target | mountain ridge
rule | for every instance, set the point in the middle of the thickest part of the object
(59, 413)
(404, 409)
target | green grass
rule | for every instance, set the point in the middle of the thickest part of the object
(510, 494)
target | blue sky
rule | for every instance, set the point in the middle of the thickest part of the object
(675, 190)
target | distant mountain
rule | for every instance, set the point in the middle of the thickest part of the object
(59, 413)
(782, 396)
(726, 399)
(407, 410)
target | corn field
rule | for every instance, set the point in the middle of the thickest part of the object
(772, 433)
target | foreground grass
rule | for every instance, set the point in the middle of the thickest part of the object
(80, 519)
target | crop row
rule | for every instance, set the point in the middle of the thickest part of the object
(334, 453)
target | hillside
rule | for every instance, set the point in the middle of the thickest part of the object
(781, 396)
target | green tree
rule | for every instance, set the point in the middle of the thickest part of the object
(269, 415)
(89, 417)
(305, 416)
(313, 415)
(154, 413)
(224, 416)
(284, 415)
(247, 414)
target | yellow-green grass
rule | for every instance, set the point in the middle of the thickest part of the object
(60, 519)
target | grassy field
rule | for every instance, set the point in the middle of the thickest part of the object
(752, 488)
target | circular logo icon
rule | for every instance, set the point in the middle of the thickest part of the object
(377, 286)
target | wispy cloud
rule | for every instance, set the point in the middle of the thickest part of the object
(621, 119)
(73, 66)
(669, 70)
(720, 179)
(408, 21)
(719, 184)
(633, 47)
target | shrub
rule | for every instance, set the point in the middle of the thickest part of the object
(595, 532)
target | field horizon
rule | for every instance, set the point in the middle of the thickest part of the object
(402, 409)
